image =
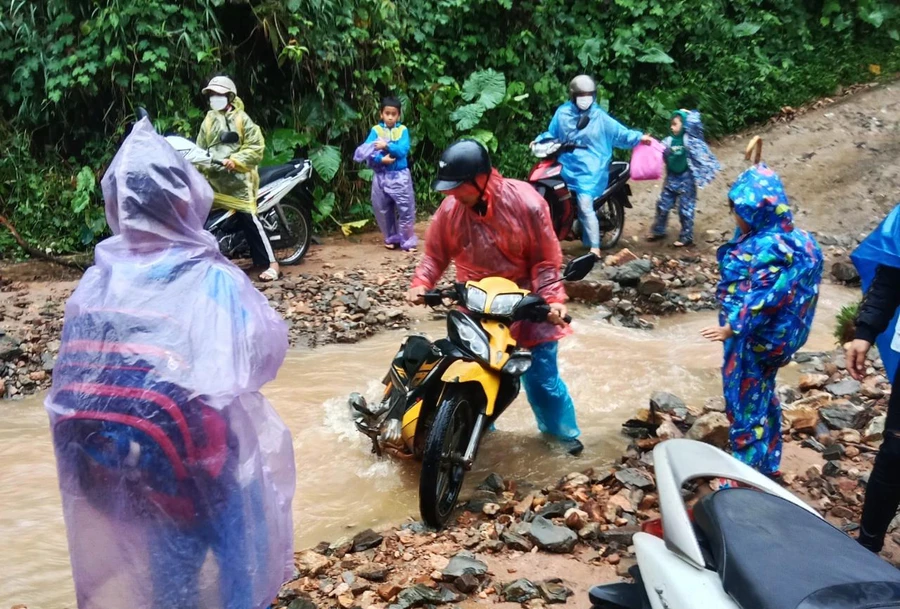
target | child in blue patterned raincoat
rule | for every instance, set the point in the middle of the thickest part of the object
(770, 275)
(690, 164)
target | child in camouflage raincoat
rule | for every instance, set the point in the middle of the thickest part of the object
(770, 275)
(690, 165)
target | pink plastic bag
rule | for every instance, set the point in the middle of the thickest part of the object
(647, 161)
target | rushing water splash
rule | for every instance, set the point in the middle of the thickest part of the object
(342, 487)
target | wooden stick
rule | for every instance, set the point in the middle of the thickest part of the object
(756, 143)
(33, 251)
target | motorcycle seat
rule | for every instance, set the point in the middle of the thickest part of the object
(772, 554)
(617, 169)
(276, 172)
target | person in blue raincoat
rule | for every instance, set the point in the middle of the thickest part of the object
(586, 169)
(769, 287)
(878, 261)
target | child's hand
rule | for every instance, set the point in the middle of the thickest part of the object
(717, 334)
(387, 160)
(228, 164)
(646, 139)
(380, 145)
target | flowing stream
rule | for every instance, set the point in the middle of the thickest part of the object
(342, 487)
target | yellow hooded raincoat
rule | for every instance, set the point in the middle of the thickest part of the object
(236, 189)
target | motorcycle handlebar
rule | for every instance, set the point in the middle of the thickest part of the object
(437, 296)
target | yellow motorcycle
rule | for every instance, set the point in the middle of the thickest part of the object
(441, 396)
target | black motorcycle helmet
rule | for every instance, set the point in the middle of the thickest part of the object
(460, 163)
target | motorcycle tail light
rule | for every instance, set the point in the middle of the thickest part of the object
(655, 527)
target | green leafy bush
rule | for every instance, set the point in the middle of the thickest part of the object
(312, 72)
(845, 323)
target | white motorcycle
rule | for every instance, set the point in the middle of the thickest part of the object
(284, 204)
(743, 548)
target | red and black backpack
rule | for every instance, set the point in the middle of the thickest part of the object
(133, 441)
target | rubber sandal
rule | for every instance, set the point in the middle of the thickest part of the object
(269, 275)
(655, 238)
(683, 244)
(390, 246)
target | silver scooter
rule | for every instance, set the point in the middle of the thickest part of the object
(743, 548)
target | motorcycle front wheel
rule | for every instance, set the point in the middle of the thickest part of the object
(294, 232)
(442, 468)
(611, 216)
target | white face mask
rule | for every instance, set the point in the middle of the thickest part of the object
(218, 102)
(584, 102)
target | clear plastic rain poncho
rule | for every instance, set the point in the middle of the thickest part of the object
(176, 474)
(514, 239)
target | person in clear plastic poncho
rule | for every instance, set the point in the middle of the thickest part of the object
(490, 226)
(236, 182)
(176, 474)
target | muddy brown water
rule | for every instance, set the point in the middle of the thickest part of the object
(342, 487)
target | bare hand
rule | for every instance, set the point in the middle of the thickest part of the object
(646, 139)
(416, 295)
(856, 352)
(229, 164)
(380, 145)
(387, 160)
(558, 312)
(717, 334)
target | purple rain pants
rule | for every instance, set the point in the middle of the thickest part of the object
(394, 204)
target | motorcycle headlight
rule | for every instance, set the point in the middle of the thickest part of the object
(476, 298)
(518, 364)
(505, 304)
(467, 334)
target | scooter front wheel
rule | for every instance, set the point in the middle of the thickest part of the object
(442, 468)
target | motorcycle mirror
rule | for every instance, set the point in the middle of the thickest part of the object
(522, 309)
(229, 137)
(583, 121)
(579, 268)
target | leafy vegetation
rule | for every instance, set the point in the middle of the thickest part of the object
(845, 323)
(311, 72)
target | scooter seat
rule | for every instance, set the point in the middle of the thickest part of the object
(772, 554)
(269, 174)
(617, 169)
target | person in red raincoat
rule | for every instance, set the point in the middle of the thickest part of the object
(494, 227)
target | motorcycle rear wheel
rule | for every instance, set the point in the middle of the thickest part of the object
(443, 473)
(611, 216)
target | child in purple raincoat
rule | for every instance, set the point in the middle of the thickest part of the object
(386, 151)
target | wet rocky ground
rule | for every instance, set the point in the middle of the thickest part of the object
(341, 304)
(832, 428)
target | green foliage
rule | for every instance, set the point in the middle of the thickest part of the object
(845, 323)
(311, 73)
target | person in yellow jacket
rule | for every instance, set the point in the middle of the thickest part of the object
(236, 182)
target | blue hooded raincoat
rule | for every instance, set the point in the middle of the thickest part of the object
(768, 293)
(586, 170)
(882, 246)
